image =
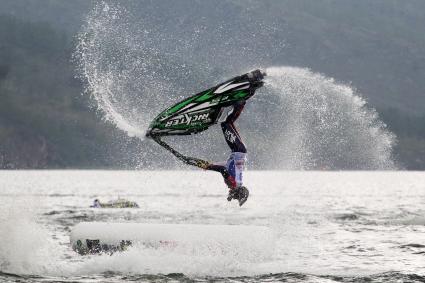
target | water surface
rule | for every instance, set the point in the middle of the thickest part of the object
(328, 226)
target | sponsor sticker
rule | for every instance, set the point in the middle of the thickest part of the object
(187, 119)
(231, 137)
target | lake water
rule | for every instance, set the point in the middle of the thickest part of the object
(327, 226)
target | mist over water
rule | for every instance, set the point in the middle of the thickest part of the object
(134, 68)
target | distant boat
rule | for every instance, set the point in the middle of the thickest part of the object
(118, 203)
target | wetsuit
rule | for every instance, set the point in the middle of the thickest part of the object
(232, 170)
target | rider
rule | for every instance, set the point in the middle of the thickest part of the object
(232, 170)
(236, 91)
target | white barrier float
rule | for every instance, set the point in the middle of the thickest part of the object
(98, 237)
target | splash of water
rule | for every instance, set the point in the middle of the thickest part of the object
(109, 61)
(299, 120)
(326, 125)
(26, 248)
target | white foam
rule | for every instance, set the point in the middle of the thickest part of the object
(193, 249)
(229, 238)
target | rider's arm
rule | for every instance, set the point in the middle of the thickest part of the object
(218, 168)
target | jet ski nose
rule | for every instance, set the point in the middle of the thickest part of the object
(256, 75)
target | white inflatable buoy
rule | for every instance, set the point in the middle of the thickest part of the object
(98, 237)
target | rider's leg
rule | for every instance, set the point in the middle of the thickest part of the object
(232, 138)
(236, 112)
(231, 135)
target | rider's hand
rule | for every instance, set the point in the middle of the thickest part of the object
(204, 165)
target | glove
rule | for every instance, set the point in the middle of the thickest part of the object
(197, 162)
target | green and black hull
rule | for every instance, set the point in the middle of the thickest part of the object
(195, 114)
